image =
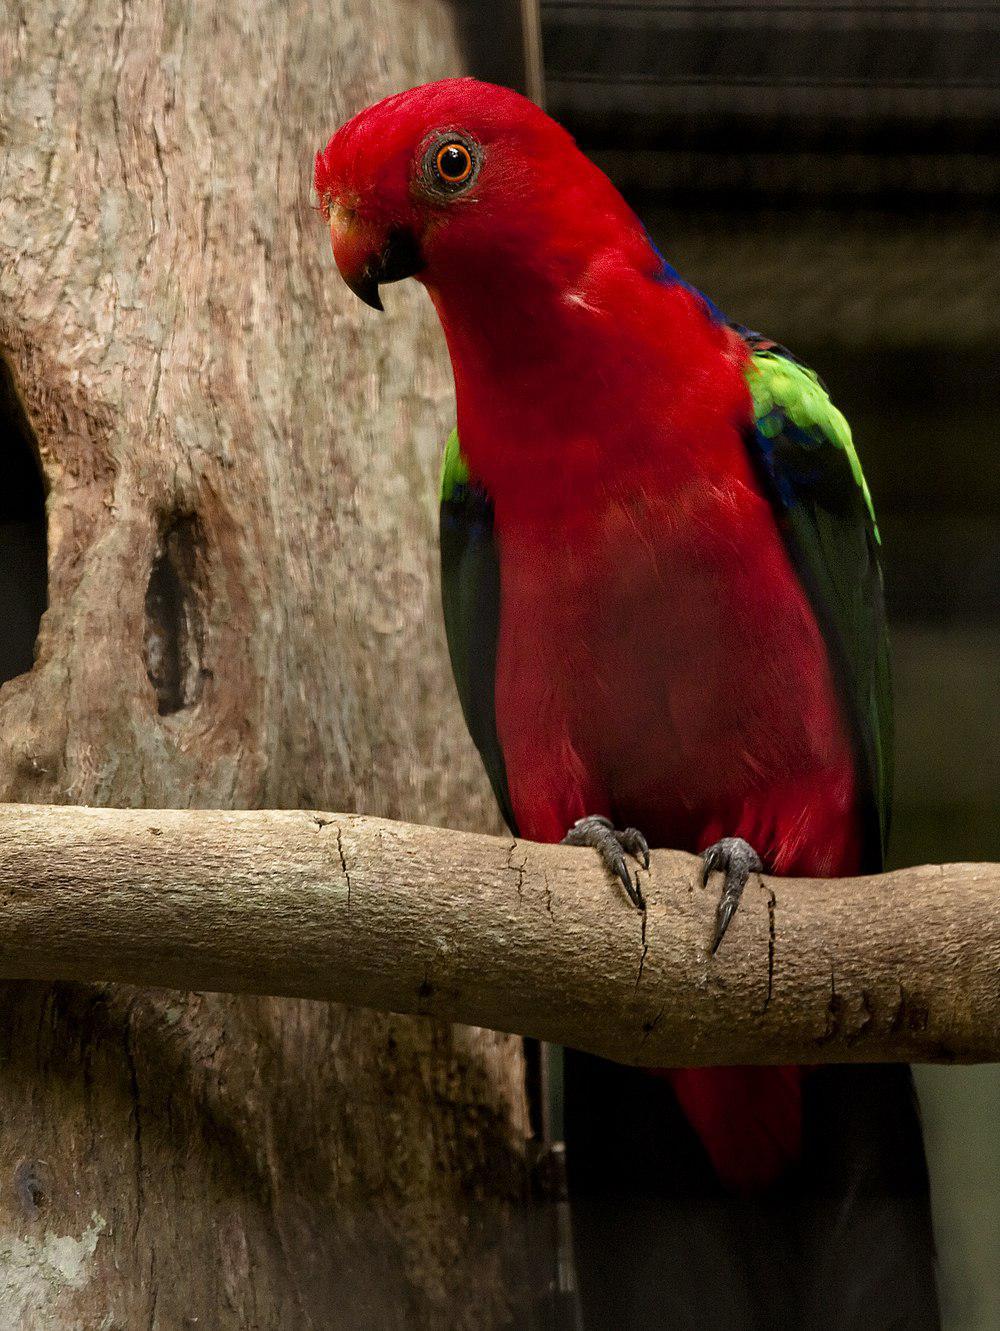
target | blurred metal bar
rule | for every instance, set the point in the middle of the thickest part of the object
(531, 40)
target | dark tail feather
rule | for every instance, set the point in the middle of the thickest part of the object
(843, 1243)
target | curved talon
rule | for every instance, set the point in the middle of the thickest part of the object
(635, 843)
(737, 859)
(600, 834)
(630, 885)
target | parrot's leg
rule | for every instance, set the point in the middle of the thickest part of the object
(737, 859)
(601, 835)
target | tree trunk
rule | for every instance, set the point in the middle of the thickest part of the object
(240, 464)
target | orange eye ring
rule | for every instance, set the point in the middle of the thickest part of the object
(453, 163)
(450, 164)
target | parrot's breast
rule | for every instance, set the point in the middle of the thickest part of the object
(659, 661)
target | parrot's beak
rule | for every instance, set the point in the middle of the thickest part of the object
(367, 256)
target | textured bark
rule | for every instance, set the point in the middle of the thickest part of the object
(512, 935)
(240, 461)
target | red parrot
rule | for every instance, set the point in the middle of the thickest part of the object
(664, 608)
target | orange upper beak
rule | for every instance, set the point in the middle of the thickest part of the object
(368, 255)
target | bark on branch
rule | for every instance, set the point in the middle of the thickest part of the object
(505, 934)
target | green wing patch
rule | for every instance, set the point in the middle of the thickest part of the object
(784, 391)
(454, 471)
(806, 456)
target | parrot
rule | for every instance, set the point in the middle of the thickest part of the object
(662, 595)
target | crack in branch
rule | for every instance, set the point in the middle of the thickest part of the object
(518, 869)
(834, 1011)
(343, 866)
(649, 1026)
(645, 949)
(771, 934)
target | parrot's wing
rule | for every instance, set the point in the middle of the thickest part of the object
(470, 593)
(803, 449)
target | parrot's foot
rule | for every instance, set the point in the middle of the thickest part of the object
(601, 835)
(737, 859)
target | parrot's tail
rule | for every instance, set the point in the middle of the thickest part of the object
(840, 1242)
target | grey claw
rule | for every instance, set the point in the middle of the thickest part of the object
(737, 859)
(725, 912)
(632, 887)
(600, 834)
(635, 843)
(616, 862)
(712, 859)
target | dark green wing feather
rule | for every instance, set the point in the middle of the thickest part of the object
(803, 449)
(470, 593)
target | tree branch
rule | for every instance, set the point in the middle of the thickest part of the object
(507, 934)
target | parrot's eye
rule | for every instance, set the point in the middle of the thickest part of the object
(450, 164)
(453, 163)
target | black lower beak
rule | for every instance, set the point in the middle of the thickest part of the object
(400, 257)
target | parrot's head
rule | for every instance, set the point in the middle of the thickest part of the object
(453, 180)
